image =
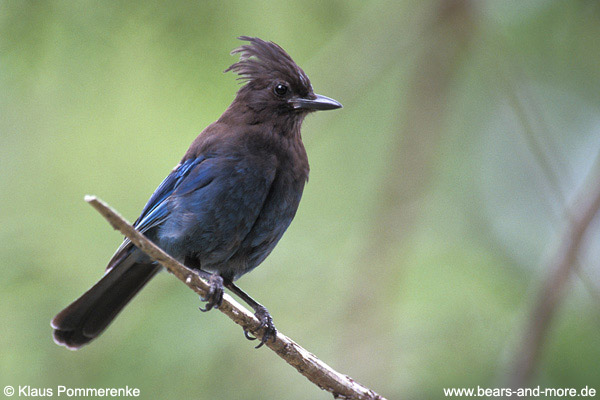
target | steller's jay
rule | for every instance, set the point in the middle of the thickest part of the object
(225, 206)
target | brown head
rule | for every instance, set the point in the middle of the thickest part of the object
(274, 82)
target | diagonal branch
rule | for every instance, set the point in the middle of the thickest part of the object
(579, 218)
(319, 373)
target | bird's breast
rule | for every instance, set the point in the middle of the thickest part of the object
(276, 214)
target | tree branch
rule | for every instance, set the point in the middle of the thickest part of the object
(319, 373)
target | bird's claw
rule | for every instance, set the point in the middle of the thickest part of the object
(214, 297)
(266, 323)
(248, 336)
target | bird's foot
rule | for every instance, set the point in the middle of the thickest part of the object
(266, 323)
(214, 297)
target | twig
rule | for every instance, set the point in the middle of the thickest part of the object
(579, 219)
(319, 373)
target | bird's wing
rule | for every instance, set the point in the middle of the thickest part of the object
(155, 210)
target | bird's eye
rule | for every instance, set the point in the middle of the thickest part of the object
(280, 89)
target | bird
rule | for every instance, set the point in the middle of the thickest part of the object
(225, 206)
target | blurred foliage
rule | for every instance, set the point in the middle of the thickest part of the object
(423, 234)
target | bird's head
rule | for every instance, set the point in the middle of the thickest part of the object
(274, 82)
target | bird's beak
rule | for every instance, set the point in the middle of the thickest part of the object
(318, 103)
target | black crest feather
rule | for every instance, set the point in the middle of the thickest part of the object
(262, 62)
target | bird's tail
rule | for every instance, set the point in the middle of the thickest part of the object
(87, 317)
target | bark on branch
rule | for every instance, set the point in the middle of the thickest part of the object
(339, 385)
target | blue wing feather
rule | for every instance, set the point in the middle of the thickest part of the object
(155, 210)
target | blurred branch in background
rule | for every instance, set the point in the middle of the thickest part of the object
(578, 219)
(315, 370)
(411, 166)
(547, 157)
(411, 163)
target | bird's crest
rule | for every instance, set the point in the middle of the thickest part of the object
(262, 62)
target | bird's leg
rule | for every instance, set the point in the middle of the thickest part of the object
(261, 313)
(214, 297)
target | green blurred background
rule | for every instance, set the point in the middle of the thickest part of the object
(424, 235)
